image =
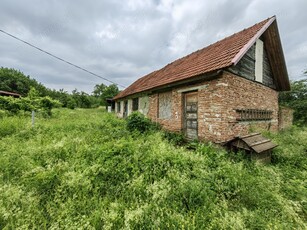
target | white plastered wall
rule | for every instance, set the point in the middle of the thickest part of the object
(259, 61)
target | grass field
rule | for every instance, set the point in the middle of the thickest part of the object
(82, 169)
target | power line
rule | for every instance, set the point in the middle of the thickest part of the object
(61, 59)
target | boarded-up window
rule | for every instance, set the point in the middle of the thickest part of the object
(135, 104)
(144, 104)
(165, 105)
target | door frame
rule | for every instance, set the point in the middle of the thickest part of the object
(183, 120)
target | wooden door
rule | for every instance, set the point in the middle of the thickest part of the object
(190, 122)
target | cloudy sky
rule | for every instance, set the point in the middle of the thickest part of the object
(124, 40)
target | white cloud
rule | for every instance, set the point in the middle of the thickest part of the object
(126, 40)
(108, 33)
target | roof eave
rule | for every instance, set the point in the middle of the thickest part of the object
(197, 78)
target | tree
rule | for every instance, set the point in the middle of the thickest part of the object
(297, 100)
(103, 92)
(15, 81)
(99, 89)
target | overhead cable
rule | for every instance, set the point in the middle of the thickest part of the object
(61, 59)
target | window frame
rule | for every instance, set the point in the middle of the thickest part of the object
(118, 106)
(135, 104)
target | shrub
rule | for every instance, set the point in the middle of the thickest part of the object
(3, 113)
(11, 125)
(136, 121)
(10, 104)
(15, 105)
(175, 138)
(71, 103)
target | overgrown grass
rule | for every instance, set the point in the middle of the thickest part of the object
(83, 169)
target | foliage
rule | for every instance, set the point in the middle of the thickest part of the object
(174, 137)
(28, 104)
(82, 169)
(82, 99)
(297, 100)
(136, 121)
(15, 81)
(102, 92)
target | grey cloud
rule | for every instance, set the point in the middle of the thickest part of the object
(126, 40)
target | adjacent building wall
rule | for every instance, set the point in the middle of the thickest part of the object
(143, 106)
(285, 118)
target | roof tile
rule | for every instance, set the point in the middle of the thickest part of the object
(213, 57)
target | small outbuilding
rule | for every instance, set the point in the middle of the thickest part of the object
(216, 93)
(255, 145)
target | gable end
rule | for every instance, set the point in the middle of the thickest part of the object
(246, 67)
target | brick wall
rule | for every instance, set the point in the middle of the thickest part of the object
(285, 118)
(217, 103)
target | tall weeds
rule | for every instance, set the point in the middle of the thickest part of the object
(84, 169)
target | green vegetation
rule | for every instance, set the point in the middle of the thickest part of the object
(297, 100)
(15, 81)
(33, 102)
(137, 122)
(83, 169)
(104, 92)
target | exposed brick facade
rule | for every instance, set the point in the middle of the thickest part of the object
(240, 94)
(285, 118)
(217, 103)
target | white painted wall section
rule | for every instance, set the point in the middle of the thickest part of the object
(259, 61)
(129, 106)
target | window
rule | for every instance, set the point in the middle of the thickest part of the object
(165, 105)
(254, 115)
(118, 107)
(135, 104)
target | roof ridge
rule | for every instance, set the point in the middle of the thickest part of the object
(214, 43)
(217, 55)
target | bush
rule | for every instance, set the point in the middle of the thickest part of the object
(3, 113)
(15, 105)
(136, 121)
(71, 103)
(175, 138)
(90, 172)
(11, 125)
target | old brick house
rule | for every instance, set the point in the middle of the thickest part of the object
(218, 92)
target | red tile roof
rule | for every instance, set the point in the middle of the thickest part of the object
(219, 55)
